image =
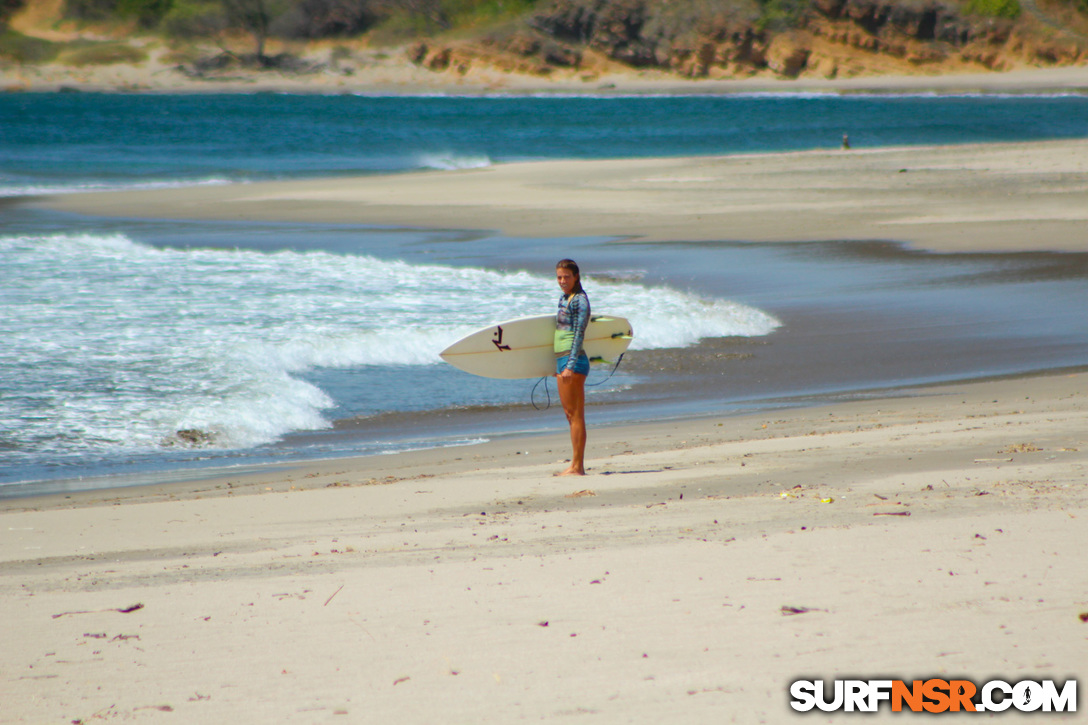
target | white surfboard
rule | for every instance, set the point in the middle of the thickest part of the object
(523, 348)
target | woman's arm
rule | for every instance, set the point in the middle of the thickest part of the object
(578, 309)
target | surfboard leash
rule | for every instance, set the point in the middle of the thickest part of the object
(547, 391)
(614, 369)
(532, 395)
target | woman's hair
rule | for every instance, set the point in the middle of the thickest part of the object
(572, 267)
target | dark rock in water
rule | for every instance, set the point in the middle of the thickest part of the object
(193, 437)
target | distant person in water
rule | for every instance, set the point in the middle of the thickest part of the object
(845, 142)
(571, 361)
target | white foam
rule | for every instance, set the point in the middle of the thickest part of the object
(14, 189)
(452, 161)
(111, 344)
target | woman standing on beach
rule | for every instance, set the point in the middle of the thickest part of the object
(572, 363)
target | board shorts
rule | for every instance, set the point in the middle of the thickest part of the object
(581, 364)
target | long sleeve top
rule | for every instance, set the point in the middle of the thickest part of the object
(570, 324)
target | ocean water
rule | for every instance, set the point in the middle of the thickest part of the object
(259, 342)
(57, 142)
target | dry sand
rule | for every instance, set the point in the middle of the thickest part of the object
(389, 71)
(703, 564)
(940, 534)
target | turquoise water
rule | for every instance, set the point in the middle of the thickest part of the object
(284, 341)
(65, 141)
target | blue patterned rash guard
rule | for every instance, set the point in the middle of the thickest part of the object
(570, 326)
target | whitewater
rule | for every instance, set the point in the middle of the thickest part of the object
(114, 346)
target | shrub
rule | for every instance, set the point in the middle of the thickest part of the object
(194, 19)
(407, 19)
(103, 54)
(1008, 9)
(327, 18)
(24, 49)
(475, 12)
(90, 10)
(781, 14)
(147, 13)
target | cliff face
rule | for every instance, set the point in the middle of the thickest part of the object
(811, 38)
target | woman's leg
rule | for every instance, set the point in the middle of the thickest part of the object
(572, 394)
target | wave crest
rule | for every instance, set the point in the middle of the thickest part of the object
(113, 344)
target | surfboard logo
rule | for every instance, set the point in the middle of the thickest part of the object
(498, 339)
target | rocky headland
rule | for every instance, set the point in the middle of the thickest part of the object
(629, 45)
(819, 39)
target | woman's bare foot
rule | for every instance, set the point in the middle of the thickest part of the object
(572, 471)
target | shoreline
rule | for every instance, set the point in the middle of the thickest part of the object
(1033, 199)
(518, 448)
(440, 455)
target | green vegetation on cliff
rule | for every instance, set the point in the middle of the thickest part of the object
(148, 13)
(25, 49)
(28, 50)
(299, 18)
(1008, 9)
(693, 38)
(778, 15)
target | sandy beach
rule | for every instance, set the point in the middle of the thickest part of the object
(389, 71)
(976, 198)
(702, 566)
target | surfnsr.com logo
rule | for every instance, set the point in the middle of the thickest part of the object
(934, 695)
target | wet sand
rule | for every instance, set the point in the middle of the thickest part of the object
(702, 565)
